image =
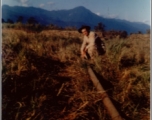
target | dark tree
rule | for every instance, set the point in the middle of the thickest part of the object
(148, 31)
(139, 32)
(123, 34)
(3, 21)
(32, 20)
(100, 27)
(10, 21)
(20, 19)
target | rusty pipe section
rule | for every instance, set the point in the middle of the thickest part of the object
(105, 98)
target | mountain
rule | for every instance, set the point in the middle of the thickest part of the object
(74, 17)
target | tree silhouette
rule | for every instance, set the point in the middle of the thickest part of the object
(32, 20)
(100, 27)
(148, 31)
(3, 21)
(123, 34)
(20, 19)
(10, 21)
(139, 32)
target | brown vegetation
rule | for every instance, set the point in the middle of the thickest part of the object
(44, 78)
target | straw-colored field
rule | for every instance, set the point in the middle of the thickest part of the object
(44, 78)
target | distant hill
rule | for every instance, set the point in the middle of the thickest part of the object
(74, 17)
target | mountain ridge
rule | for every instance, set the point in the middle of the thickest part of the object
(72, 17)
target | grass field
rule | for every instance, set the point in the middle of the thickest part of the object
(44, 78)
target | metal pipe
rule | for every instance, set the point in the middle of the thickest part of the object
(105, 98)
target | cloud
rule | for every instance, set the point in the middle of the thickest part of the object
(147, 22)
(113, 16)
(25, 5)
(23, 2)
(45, 4)
(41, 5)
(50, 3)
(116, 16)
(107, 16)
(98, 13)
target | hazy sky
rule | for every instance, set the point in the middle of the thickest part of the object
(132, 10)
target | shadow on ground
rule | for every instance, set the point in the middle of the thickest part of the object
(34, 90)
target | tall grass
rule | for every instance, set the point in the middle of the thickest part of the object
(43, 77)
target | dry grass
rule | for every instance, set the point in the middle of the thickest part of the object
(44, 78)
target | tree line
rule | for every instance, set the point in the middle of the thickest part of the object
(32, 21)
(33, 24)
(20, 19)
